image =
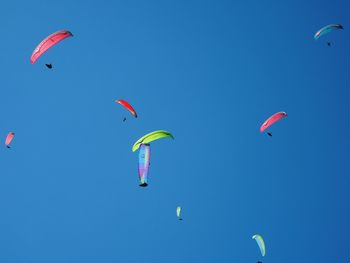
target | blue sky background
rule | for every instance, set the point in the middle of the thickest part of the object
(208, 71)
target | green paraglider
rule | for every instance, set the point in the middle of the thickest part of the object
(150, 137)
(178, 212)
(261, 244)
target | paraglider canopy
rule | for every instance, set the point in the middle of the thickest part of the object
(178, 212)
(49, 42)
(326, 29)
(127, 106)
(150, 137)
(144, 160)
(271, 120)
(9, 138)
(260, 241)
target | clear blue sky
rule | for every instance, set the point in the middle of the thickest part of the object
(208, 71)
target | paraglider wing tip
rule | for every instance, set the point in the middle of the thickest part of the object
(143, 184)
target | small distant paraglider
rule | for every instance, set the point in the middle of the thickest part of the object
(327, 29)
(260, 241)
(49, 42)
(48, 66)
(178, 212)
(9, 138)
(150, 137)
(127, 106)
(271, 120)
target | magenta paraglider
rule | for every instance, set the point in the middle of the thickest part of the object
(271, 120)
(9, 138)
(49, 42)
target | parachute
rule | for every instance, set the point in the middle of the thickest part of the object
(126, 105)
(178, 212)
(261, 244)
(144, 159)
(49, 42)
(327, 29)
(9, 138)
(150, 137)
(271, 120)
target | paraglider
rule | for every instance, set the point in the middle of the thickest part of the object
(127, 106)
(9, 138)
(144, 161)
(150, 137)
(49, 42)
(326, 29)
(178, 212)
(271, 120)
(260, 241)
(48, 66)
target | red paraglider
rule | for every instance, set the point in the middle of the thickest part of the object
(49, 42)
(9, 138)
(271, 120)
(126, 105)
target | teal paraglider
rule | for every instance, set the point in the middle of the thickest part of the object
(326, 29)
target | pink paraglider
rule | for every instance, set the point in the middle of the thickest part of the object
(49, 42)
(271, 120)
(9, 138)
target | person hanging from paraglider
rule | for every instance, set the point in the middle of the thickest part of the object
(9, 138)
(178, 213)
(124, 119)
(48, 66)
(271, 120)
(327, 29)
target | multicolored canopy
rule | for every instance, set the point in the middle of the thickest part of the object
(144, 160)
